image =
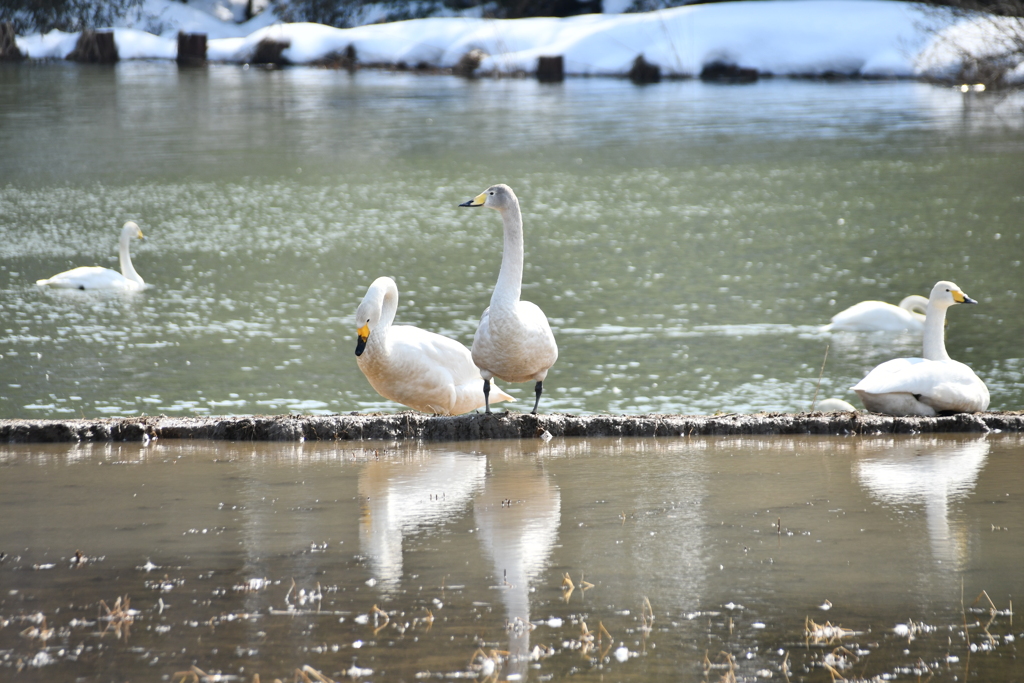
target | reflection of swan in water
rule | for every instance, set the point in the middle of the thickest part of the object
(932, 477)
(400, 497)
(518, 537)
(879, 316)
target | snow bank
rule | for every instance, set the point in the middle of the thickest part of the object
(875, 38)
(216, 20)
(787, 37)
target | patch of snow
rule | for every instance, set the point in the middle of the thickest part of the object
(879, 38)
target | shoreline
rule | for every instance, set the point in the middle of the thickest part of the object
(827, 76)
(474, 426)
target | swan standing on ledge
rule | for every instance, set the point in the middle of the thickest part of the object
(95, 277)
(425, 371)
(878, 316)
(514, 340)
(929, 385)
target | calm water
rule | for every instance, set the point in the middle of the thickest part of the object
(686, 240)
(250, 559)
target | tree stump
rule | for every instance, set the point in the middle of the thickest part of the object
(191, 49)
(268, 51)
(644, 72)
(722, 72)
(551, 69)
(9, 51)
(346, 59)
(94, 47)
(469, 63)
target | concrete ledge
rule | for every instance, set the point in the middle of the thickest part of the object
(498, 426)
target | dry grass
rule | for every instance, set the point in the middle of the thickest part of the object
(823, 634)
(119, 618)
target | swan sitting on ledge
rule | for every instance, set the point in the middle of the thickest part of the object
(930, 385)
(97, 278)
(419, 369)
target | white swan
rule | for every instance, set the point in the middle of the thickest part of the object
(878, 316)
(929, 385)
(835, 405)
(95, 277)
(514, 340)
(419, 369)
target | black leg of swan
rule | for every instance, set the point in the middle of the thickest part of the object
(487, 396)
(539, 388)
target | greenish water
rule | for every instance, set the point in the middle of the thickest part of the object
(686, 240)
(260, 558)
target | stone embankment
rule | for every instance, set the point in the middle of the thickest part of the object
(497, 426)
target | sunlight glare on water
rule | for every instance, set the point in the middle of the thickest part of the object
(685, 240)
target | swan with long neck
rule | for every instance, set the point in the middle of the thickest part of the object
(96, 277)
(879, 316)
(514, 341)
(422, 370)
(930, 385)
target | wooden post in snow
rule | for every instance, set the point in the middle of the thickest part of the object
(95, 47)
(551, 69)
(9, 51)
(644, 72)
(191, 49)
(268, 51)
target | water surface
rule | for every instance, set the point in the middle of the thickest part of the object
(686, 240)
(786, 554)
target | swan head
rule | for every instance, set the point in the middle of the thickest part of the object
(946, 294)
(498, 197)
(369, 311)
(129, 230)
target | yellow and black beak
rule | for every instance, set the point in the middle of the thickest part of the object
(362, 334)
(962, 298)
(476, 201)
(140, 235)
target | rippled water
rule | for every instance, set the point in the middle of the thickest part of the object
(773, 556)
(686, 240)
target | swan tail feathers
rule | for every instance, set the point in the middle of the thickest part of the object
(497, 395)
(58, 283)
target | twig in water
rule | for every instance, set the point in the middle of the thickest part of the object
(820, 373)
(646, 611)
(992, 613)
(308, 674)
(601, 630)
(375, 611)
(967, 637)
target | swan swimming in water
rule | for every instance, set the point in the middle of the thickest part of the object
(879, 316)
(514, 341)
(419, 369)
(929, 385)
(95, 277)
